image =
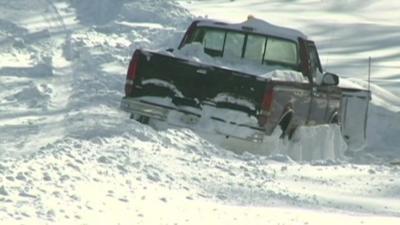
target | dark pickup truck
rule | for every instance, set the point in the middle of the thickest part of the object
(229, 103)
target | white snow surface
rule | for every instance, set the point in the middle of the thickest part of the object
(260, 26)
(68, 155)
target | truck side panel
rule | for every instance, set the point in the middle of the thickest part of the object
(325, 105)
(290, 100)
(306, 106)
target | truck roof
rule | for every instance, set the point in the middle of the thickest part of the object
(256, 26)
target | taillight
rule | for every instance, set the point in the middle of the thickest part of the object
(266, 106)
(131, 74)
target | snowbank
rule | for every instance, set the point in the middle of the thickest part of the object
(101, 12)
(126, 178)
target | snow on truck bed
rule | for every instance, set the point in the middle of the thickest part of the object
(195, 52)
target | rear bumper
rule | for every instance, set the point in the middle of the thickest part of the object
(144, 108)
(221, 126)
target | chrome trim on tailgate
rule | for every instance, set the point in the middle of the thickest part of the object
(138, 107)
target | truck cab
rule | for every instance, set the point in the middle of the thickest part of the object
(259, 42)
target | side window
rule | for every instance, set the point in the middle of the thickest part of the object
(234, 45)
(214, 40)
(281, 51)
(255, 47)
(314, 61)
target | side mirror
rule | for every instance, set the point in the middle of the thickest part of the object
(330, 79)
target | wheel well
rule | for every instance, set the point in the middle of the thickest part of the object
(334, 118)
(285, 123)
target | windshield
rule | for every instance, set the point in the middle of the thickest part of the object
(254, 47)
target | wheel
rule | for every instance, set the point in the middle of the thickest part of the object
(143, 119)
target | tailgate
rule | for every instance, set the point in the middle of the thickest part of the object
(194, 84)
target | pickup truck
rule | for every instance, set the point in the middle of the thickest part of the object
(205, 85)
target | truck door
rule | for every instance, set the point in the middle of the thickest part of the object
(320, 95)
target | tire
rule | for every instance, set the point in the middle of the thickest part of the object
(286, 125)
(143, 119)
(140, 118)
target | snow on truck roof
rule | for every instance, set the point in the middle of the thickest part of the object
(255, 25)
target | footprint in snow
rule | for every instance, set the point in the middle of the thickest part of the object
(124, 199)
(3, 191)
(46, 177)
(20, 176)
(103, 160)
(26, 195)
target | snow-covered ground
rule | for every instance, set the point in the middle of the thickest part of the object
(68, 155)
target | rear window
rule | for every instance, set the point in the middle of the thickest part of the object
(214, 40)
(255, 48)
(236, 45)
